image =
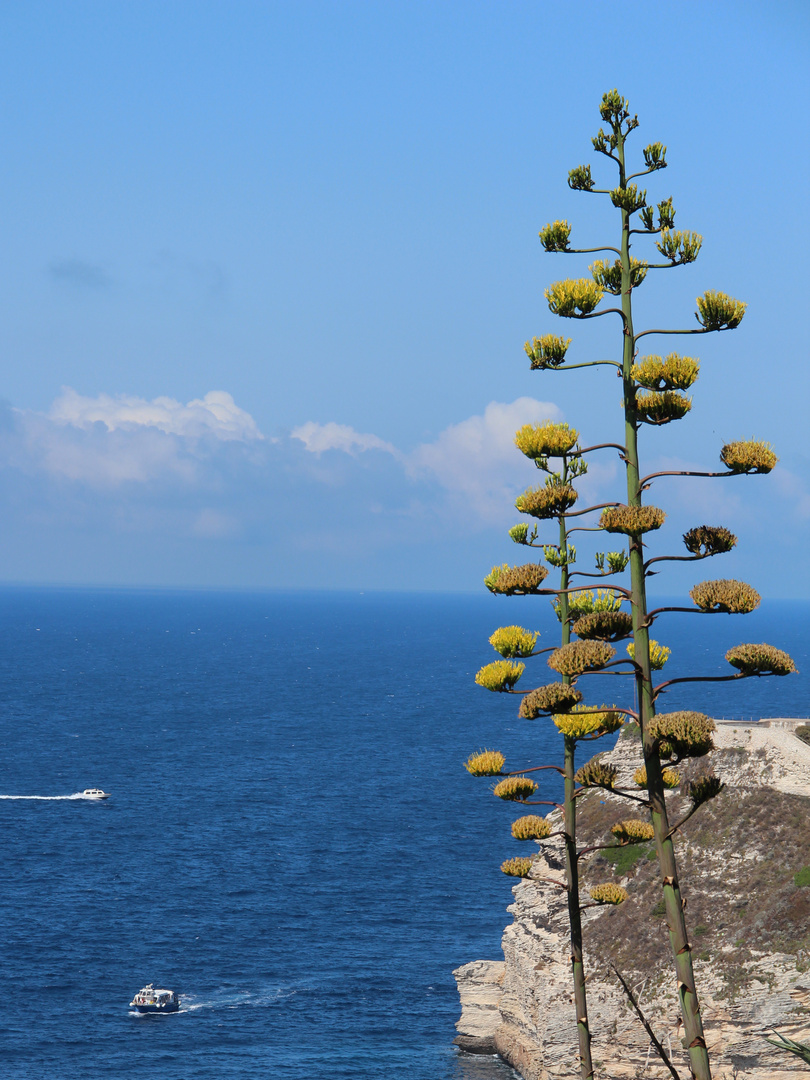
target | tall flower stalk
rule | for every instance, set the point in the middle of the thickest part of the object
(653, 394)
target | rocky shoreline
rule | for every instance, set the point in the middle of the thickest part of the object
(750, 923)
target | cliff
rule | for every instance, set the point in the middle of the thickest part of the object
(749, 921)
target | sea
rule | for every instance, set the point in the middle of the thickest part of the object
(291, 841)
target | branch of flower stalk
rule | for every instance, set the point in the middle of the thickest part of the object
(607, 847)
(604, 574)
(683, 820)
(603, 445)
(581, 588)
(702, 330)
(613, 311)
(534, 768)
(589, 510)
(590, 363)
(651, 615)
(586, 251)
(643, 484)
(645, 232)
(680, 558)
(553, 881)
(713, 678)
(613, 791)
(646, 1024)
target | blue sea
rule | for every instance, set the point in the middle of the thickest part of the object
(291, 841)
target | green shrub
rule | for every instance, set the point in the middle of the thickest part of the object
(802, 878)
(803, 732)
(625, 858)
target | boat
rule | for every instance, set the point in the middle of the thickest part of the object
(150, 1000)
(95, 793)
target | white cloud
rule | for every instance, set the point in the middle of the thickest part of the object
(477, 459)
(215, 414)
(320, 437)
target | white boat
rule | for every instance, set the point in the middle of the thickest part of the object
(150, 1000)
(94, 793)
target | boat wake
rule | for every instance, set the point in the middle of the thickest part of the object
(235, 999)
(52, 798)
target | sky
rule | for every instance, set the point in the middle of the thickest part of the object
(268, 269)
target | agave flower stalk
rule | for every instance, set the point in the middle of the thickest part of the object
(652, 395)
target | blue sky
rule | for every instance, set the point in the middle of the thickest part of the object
(268, 269)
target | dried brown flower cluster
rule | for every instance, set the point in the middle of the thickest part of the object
(554, 697)
(709, 540)
(682, 734)
(726, 594)
(760, 660)
(604, 626)
(631, 520)
(595, 773)
(579, 656)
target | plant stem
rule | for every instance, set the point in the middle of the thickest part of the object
(687, 994)
(570, 825)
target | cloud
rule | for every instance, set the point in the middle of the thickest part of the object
(82, 274)
(318, 438)
(476, 460)
(215, 414)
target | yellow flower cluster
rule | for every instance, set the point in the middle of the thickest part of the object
(682, 734)
(485, 763)
(608, 276)
(545, 440)
(499, 675)
(573, 298)
(633, 831)
(547, 351)
(516, 580)
(662, 408)
(582, 720)
(748, 456)
(659, 654)
(531, 827)
(547, 501)
(517, 867)
(608, 894)
(717, 311)
(674, 373)
(512, 641)
(679, 247)
(515, 788)
(671, 778)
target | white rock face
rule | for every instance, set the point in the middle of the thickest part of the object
(523, 1008)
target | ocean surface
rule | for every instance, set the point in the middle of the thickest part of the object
(291, 841)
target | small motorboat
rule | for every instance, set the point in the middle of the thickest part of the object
(95, 793)
(150, 1000)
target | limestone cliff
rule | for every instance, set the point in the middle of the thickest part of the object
(749, 921)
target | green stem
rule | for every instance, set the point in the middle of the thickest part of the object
(694, 1041)
(570, 826)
